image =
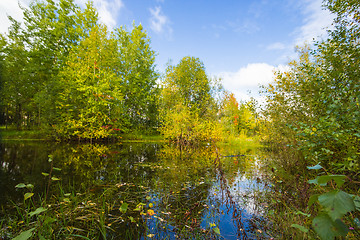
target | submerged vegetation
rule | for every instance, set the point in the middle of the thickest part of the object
(131, 191)
(66, 77)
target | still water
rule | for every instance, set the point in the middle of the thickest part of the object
(140, 190)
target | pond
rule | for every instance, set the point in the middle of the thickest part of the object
(131, 191)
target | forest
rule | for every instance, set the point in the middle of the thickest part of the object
(68, 78)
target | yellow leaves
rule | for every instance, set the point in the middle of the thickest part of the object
(150, 212)
(313, 131)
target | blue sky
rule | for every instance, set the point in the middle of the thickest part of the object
(240, 41)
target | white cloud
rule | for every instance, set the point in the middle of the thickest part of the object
(108, 10)
(160, 23)
(249, 78)
(316, 21)
(11, 8)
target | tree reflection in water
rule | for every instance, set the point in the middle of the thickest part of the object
(169, 191)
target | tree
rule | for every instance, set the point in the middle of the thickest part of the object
(188, 84)
(188, 105)
(137, 62)
(17, 91)
(52, 30)
(107, 85)
(237, 118)
(316, 105)
(90, 98)
(38, 52)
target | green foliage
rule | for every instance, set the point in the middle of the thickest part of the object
(188, 105)
(334, 205)
(184, 127)
(315, 105)
(37, 211)
(136, 67)
(89, 101)
(238, 119)
(34, 54)
(313, 110)
(124, 207)
(328, 229)
(187, 84)
(25, 235)
(301, 228)
(107, 85)
(66, 74)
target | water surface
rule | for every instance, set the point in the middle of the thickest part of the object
(193, 192)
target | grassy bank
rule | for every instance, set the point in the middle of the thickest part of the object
(11, 133)
(14, 134)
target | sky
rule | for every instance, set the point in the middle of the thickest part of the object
(242, 42)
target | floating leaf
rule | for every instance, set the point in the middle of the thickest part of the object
(316, 167)
(123, 208)
(139, 207)
(302, 213)
(150, 212)
(55, 179)
(216, 230)
(301, 228)
(337, 203)
(28, 195)
(20, 185)
(37, 211)
(25, 235)
(132, 219)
